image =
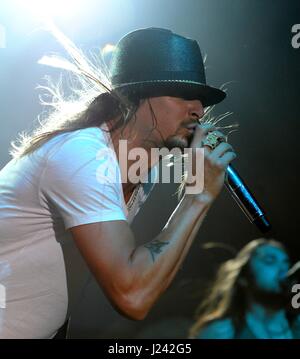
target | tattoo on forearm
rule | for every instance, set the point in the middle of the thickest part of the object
(155, 247)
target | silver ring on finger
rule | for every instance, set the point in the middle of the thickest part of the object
(212, 140)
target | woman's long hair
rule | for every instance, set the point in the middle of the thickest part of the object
(226, 297)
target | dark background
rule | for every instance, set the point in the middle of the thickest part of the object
(247, 42)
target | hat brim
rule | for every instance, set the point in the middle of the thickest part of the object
(188, 90)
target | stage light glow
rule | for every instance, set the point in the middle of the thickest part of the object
(108, 49)
(45, 9)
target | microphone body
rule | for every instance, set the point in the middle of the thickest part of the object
(245, 199)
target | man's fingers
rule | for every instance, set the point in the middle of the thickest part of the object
(220, 150)
(227, 158)
(207, 127)
(200, 132)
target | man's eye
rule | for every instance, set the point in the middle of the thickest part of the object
(269, 260)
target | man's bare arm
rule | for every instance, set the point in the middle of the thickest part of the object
(134, 277)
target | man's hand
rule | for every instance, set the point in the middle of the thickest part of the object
(215, 161)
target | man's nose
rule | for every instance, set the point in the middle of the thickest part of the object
(196, 109)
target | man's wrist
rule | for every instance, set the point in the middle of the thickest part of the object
(203, 198)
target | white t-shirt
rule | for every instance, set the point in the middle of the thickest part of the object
(72, 179)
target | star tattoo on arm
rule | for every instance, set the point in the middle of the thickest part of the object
(155, 247)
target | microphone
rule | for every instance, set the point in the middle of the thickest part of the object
(245, 199)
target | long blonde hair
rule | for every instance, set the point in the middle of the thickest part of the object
(226, 296)
(90, 102)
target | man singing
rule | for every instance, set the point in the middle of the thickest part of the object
(60, 202)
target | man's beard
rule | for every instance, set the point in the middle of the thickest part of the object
(177, 141)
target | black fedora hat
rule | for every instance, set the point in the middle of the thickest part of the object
(156, 62)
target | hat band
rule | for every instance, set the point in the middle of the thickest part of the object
(159, 76)
(158, 81)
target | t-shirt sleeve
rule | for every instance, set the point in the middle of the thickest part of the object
(82, 181)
